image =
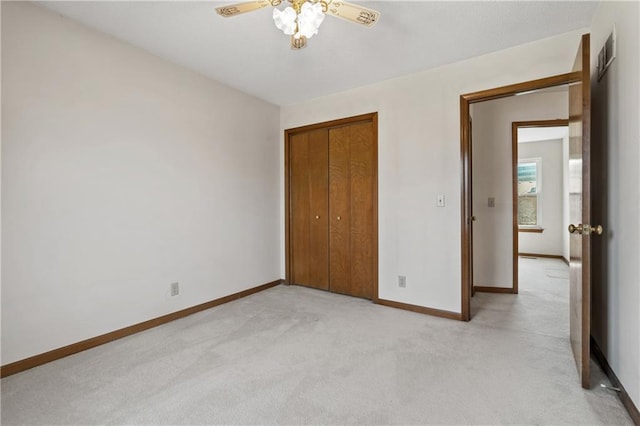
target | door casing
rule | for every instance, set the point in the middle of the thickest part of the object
(465, 166)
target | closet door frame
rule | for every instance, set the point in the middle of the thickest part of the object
(288, 133)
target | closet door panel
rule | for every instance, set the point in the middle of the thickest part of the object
(339, 210)
(300, 256)
(362, 174)
(319, 209)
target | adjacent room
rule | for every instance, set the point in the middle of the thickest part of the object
(319, 212)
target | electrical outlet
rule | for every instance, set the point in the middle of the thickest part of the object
(175, 289)
(402, 281)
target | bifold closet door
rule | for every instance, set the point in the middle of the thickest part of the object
(309, 208)
(351, 189)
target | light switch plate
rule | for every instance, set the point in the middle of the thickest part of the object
(440, 200)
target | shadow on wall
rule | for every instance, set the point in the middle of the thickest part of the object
(600, 198)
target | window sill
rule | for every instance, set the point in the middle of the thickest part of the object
(534, 230)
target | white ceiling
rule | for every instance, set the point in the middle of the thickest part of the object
(536, 134)
(247, 51)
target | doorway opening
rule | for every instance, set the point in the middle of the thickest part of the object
(467, 214)
(579, 113)
(495, 172)
(540, 177)
(520, 183)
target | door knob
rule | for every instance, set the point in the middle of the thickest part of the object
(588, 229)
(585, 229)
(339, 218)
(317, 217)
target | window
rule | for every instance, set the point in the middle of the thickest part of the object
(529, 191)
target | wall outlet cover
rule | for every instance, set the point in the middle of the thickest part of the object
(402, 281)
(175, 289)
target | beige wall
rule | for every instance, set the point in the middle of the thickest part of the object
(419, 158)
(616, 199)
(122, 173)
(492, 177)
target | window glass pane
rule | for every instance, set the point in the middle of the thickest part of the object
(528, 175)
(528, 209)
(527, 178)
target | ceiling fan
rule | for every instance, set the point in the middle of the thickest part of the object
(302, 18)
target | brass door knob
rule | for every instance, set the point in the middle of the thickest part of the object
(317, 217)
(588, 229)
(573, 228)
(585, 229)
(339, 218)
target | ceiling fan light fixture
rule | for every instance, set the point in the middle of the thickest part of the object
(302, 19)
(285, 20)
(304, 23)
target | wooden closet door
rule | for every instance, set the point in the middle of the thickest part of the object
(309, 208)
(339, 210)
(351, 194)
(362, 187)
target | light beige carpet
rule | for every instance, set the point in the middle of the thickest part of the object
(292, 355)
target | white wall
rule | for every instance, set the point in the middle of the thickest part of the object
(492, 177)
(122, 173)
(616, 198)
(419, 158)
(551, 199)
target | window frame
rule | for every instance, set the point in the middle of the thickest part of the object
(538, 163)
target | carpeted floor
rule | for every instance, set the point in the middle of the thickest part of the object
(292, 355)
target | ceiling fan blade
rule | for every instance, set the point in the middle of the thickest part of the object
(353, 13)
(236, 9)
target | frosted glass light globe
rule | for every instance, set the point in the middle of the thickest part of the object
(285, 20)
(309, 20)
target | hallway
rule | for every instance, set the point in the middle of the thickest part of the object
(542, 305)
